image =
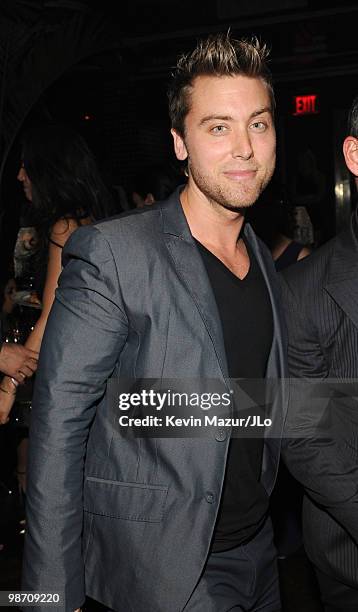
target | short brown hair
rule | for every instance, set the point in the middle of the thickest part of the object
(218, 55)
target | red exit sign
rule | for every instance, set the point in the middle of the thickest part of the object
(306, 105)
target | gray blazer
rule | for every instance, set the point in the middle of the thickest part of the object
(128, 520)
(321, 302)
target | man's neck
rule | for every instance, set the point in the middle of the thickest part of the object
(211, 224)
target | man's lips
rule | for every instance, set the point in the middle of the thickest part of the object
(239, 175)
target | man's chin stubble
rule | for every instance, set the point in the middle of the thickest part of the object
(238, 207)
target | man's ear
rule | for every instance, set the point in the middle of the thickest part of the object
(350, 152)
(179, 146)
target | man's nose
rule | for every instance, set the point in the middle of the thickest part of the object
(242, 146)
(21, 175)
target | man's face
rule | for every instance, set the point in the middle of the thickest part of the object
(229, 139)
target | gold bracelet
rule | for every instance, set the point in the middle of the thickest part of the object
(8, 392)
(14, 382)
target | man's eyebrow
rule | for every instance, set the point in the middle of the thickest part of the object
(256, 113)
(208, 118)
(261, 111)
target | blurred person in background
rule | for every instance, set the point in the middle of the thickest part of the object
(61, 180)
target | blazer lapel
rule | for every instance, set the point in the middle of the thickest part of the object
(342, 279)
(191, 270)
(277, 362)
(276, 372)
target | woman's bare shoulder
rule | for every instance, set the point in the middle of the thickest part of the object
(63, 228)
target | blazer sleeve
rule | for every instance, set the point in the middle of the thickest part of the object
(85, 333)
(312, 451)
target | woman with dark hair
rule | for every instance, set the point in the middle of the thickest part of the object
(60, 177)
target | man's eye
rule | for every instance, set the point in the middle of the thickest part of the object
(259, 126)
(219, 129)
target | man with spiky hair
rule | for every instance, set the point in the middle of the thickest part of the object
(321, 302)
(179, 290)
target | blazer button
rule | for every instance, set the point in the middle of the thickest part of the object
(210, 498)
(220, 435)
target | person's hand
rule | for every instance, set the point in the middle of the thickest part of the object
(7, 398)
(17, 361)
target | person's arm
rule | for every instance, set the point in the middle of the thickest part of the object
(86, 331)
(311, 449)
(60, 233)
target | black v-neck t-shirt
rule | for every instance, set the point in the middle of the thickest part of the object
(246, 316)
